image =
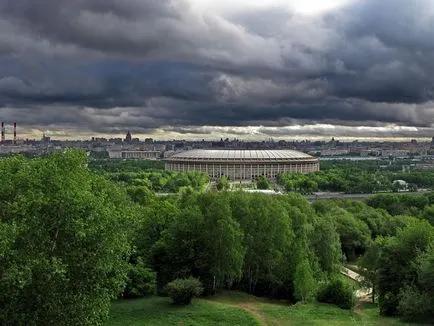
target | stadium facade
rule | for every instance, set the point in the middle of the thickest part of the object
(242, 164)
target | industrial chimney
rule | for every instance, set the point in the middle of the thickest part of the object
(3, 133)
(15, 133)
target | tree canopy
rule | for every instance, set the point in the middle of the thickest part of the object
(64, 241)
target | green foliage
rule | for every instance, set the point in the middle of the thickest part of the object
(99, 155)
(223, 239)
(416, 301)
(122, 165)
(263, 183)
(304, 283)
(326, 244)
(354, 234)
(396, 263)
(369, 266)
(141, 195)
(428, 214)
(183, 290)
(399, 204)
(268, 236)
(223, 183)
(67, 234)
(415, 304)
(162, 181)
(204, 241)
(354, 177)
(234, 308)
(141, 281)
(158, 311)
(337, 292)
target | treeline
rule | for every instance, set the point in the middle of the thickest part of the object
(71, 240)
(248, 242)
(161, 181)
(395, 251)
(120, 165)
(147, 176)
(354, 180)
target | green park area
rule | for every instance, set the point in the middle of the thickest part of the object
(85, 245)
(234, 308)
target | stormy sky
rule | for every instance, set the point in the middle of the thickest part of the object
(204, 69)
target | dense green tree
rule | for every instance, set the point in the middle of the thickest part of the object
(178, 250)
(428, 214)
(416, 301)
(354, 234)
(337, 292)
(304, 282)
(263, 183)
(204, 241)
(223, 239)
(326, 244)
(369, 266)
(223, 183)
(67, 239)
(141, 280)
(396, 267)
(268, 236)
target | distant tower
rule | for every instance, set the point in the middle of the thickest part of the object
(15, 133)
(128, 137)
(3, 133)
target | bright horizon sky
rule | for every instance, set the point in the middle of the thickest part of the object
(308, 7)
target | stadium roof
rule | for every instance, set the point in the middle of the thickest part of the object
(242, 155)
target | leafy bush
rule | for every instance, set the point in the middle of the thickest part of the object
(183, 290)
(263, 183)
(141, 281)
(223, 184)
(338, 293)
(415, 304)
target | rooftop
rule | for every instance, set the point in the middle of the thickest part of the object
(205, 154)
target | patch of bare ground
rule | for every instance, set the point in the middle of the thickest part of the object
(254, 310)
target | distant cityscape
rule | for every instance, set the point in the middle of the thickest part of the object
(129, 147)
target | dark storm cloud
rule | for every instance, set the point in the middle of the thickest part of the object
(107, 65)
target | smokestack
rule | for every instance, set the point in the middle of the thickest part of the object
(15, 133)
(3, 133)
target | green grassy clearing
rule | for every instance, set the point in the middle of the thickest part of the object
(157, 311)
(234, 308)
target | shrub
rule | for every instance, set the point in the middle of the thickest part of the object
(141, 281)
(415, 304)
(263, 183)
(338, 293)
(183, 290)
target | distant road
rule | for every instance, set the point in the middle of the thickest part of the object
(331, 195)
(338, 195)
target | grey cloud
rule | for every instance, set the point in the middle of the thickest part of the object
(146, 64)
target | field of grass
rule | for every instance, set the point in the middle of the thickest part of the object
(157, 311)
(234, 308)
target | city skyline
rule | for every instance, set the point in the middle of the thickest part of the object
(195, 69)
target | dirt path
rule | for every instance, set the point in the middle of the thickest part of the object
(253, 309)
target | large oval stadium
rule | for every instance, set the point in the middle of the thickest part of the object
(242, 164)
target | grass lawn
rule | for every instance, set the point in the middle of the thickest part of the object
(322, 314)
(157, 311)
(234, 308)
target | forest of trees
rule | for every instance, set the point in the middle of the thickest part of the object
(350, 177)
(71, 240)
(335, 176)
